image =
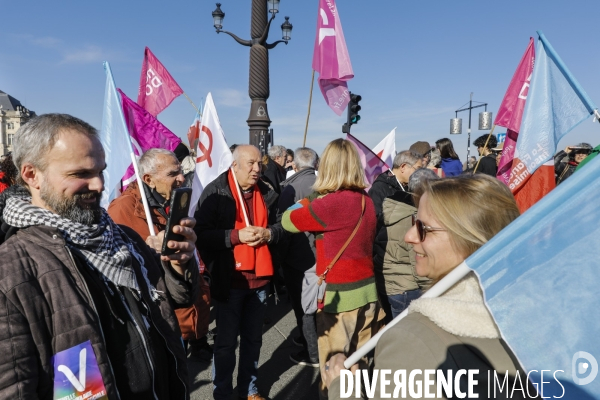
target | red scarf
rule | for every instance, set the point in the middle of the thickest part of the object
(250, 258)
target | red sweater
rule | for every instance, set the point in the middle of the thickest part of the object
(333, 217)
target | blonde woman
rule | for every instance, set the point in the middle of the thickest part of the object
(350, 312)
(455, 331)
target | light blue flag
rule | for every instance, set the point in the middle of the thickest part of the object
(555, 105)
(541, 278)
(115, 140)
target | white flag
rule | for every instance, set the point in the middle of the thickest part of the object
(212, 154)
(386, 149)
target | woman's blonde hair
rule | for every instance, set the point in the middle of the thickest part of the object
(472, 208)
(340, 168)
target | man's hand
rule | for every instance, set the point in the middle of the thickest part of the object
(249, 234)
(258, 237)
(155, 242)
(185, 249)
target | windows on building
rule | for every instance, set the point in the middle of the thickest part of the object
(9, 138)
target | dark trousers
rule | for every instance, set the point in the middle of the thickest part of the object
(306, 323)
(293, 282)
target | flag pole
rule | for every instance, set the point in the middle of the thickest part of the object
(484, 146)
(435, 291)
(192, 103)
(237, 187)
(309, 103)
(132, 155)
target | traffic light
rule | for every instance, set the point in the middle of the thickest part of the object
(353, 109)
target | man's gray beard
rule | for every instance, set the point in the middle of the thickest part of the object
(70, 209)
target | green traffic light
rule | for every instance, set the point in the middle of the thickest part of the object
(355, 119)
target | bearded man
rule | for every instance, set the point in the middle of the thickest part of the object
(81, 296)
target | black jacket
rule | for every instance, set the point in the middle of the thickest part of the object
(275, 174)
(385, 185)
(46, 307)
(487, 165)
(215, 219)
(296, 250)
(564, 167)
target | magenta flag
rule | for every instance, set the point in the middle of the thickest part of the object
(157, 87)
(331, 59)
(372, 164)
(511, 109)
(146, 132)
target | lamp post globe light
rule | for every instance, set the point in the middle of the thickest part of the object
(485, 121)
(258, 87)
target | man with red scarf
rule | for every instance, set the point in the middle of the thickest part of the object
(236, 218)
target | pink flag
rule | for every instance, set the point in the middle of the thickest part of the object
(331, 59)
(146, 132)
(511, 109)
(372, 164)
(157, 87)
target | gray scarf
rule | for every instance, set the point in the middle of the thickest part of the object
(104, 246)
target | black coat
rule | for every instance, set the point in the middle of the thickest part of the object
(46, 307)
(487, 165)
(275, 174)
(385, 185)
(215, 219)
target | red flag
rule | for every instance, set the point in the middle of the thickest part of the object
(157, 87)
(537, 186)
(511, 109)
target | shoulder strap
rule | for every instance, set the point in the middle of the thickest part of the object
(339, 254)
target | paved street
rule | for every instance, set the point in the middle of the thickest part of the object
(279, 378)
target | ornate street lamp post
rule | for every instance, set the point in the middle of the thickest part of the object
(258, 87)
(485, 122)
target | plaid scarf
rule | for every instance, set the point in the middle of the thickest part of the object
(104, 246)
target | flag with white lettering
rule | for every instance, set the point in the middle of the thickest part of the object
(511, 109)
(146, 133)
(555, 105)
(372, 164)
(386, 149)
(157, 87)
(213, 156)
(330, 57)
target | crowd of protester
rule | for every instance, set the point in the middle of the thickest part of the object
(73, 273)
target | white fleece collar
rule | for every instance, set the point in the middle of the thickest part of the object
(460, 311)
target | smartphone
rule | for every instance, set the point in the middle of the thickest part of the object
(178, 209)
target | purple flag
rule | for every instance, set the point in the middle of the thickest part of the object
(146, 132)
(372, 164)
(331, 59)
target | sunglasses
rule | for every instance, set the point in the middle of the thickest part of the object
(422, 229)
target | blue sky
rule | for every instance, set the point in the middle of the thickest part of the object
(415, 63)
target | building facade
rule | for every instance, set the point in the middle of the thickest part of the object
(12, 115)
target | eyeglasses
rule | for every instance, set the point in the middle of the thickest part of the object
(422, 229)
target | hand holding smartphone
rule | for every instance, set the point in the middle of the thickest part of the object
(178, 209)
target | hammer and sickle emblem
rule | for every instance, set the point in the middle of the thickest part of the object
(206, 152)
